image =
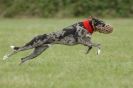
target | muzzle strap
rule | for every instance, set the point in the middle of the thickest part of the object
(88, 26)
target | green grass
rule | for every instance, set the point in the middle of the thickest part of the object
(64, 66)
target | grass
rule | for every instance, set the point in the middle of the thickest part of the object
(64, 66)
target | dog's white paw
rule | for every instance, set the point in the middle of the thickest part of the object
(12, 47)
(5, 57)
(98, 51)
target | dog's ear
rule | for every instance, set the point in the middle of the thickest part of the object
(94, 18)
(90, 17)
(96, 21)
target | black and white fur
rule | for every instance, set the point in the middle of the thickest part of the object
(72, 35)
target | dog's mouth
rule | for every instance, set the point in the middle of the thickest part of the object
(106, 29)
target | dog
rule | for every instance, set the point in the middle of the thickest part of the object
(78, 33)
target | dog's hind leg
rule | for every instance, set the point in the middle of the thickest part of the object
(37, 51)
(35, 42)
(8, 55)
(16, 50)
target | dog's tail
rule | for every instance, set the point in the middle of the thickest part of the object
(14, 47)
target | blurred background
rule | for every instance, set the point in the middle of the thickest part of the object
(66, 8)
(64, 66)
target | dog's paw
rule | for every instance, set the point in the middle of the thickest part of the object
(12, 47)
(98, 51)
(5, 57)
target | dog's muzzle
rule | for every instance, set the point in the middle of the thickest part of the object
(105, 29)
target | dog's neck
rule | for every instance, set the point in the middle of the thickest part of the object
(88, 26)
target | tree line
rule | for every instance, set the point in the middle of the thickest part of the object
(66, 8)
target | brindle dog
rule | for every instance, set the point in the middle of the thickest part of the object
(77, 33)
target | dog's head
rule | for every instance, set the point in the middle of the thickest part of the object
(101, 26)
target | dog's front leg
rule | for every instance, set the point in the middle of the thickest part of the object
(93, 45)
(98, 46)
(88, 50)
(87, 42)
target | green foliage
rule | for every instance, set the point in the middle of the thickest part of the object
(66, 8)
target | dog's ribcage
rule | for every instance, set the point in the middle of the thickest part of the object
(70, 35)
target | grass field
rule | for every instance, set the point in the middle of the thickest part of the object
(67, 66)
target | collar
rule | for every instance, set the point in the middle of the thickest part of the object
(88, 26)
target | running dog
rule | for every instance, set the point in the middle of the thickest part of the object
(78, 33)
